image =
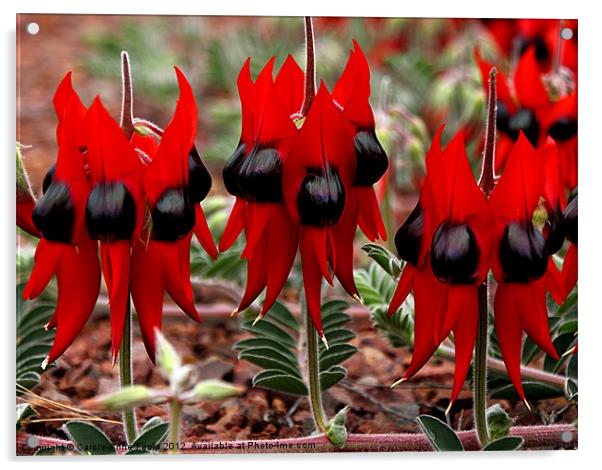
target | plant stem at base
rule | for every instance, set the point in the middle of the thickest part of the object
(125, 372)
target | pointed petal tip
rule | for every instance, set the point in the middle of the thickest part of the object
(45, 363)
(257, 319)
(449, 407)
(358, 298)
(527, 405)
(324, 341)
(395, 384)
(234, 312)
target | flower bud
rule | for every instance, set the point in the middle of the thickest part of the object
(123, 399)
(167, 357)
(209, 390)
(337, 430)
(498, 422)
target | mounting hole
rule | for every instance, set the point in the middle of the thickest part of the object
(566, 436)
(33, 28)
(566, 33)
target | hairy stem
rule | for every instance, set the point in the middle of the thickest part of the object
(127, 103)
(487, 178)
(310, 66)
(175, 411)
(480, 369)
(125, 373)
(313, 373)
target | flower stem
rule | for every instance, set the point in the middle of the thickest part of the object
(127, 103)
(313, 373)
(125, 372)
(175, 411)
(480, 369)
(310, 66)
(486, 183)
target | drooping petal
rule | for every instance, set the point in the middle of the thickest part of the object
(257, 266)
(569, 269)
(529, 88)
(46, 260)
(312, 278)
(234, 225)
(202, 232)
(343, 234)
(78, 281)
(403, 289)
(370, 219)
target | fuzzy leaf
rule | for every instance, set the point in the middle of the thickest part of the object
(441, 436)
(505, 443)
(88, 438)
(277, 380)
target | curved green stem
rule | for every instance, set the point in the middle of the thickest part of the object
(480, 369)
(313, 372)
(125, 373)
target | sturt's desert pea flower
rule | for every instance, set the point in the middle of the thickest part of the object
(137, 196)
(175, 182)
(303, 178)
(254, 175)
(521, 263)
(65, 249)
(569, 267)
(446, 243)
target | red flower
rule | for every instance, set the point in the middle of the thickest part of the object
(174, 183)
(254, 175)
(65, 248)
(446, 244)
(521, 263)
(569, 267)
(524, 108)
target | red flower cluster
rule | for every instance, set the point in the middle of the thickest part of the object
(525, 105)
(300, 188)
(455, 235)
(138, 197)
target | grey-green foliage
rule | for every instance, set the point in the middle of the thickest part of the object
(274, 347)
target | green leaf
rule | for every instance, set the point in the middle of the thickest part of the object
(505, 443)
(88, 438)
(150, 439)
(24, 411)
(561, 343)
(571, 389)
(385, 259)
(335, 320)
(339, 336)
(331, 377)
(572, 368)
(279, 313)
(151, 423)
(252, 343)
(333, 306)
(267, 361)
(268, 329)
(441, 436)
(277, 380)
(533, 390)
(335, 355)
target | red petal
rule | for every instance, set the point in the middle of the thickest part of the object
(289, 85)
(256, 274)
(465, 333)
(234, 225)
(403, 288)
(24, 221)
(282, 238)
(530, 90)
(554, 283)
(46, 260)
(116, 270)
(312, 278)
(569, 269)
(508, 327)
(370, 218)
(203, 234)
(147, 287)
(343, 234)
(531, 303)
(245, 91)
(78, 281)
(255, 219)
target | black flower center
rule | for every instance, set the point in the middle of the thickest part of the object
(454, 254)
(554, 231)
(523, 253)
(522, 120)
(409, 236)
(232, 169)
(260, 175)
(563, 129)
(199, 179)
(542, 53)
(173, 215)
(570, 218)
(53, 215)
(321, 198)
(371, 159)
(110, 212)
(48, 178)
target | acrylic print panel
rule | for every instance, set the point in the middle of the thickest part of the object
(272, 234)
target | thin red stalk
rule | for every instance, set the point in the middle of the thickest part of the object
(127, 103)
(536, 437)
(310, 66)
(487, 178)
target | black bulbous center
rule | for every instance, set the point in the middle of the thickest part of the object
(554, 231)
(523, 253)
(455, 254)
(48, 178)
(563, 129)
(110, 212)
(53, 215)
(260, 175)
(542, 53)
(232, 169)
(199, 179)
(409, 236)
(371, 159)
(173, 215)
(321, 198)
(523, 119)
(570, 218)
